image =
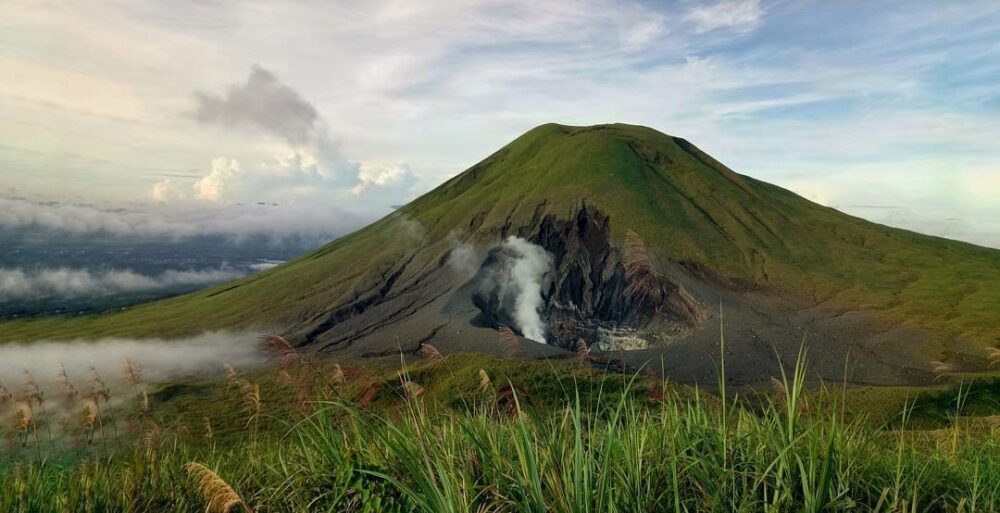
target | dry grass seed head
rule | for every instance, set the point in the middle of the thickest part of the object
(639, 271)
(287, 354)
(942, 368)
(32, 394)
(368, 397)
(509, 341)
(337, 376)
(993, 355)
(485, 383)
(218, 495)
(89, 419)
(151, 438)
(100, 391)
(232, 377)
(24, 416)
(582, 350)
(5, 394)
(131, 372)
(251, 396)
(411, 389)
(778, 387)
(430, 353)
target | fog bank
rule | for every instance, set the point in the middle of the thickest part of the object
(160, 360)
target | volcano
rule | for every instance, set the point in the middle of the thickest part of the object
(635, 242)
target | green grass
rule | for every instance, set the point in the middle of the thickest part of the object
(572, 439)
(684, 204)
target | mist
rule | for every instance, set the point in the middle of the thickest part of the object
(312, 223)
(464, 260)
(17, 283)
(159, 360)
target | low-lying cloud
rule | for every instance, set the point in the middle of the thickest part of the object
(276, 222)
(159, 360)
(75, 283)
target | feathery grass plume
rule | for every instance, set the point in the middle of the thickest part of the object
(412, 390)
(31, 393)
(218, 495)
(24, 417)
(89, 418)
(582, 351)
(232, 377)
(144, 402)
(5, 394)
(509, 341)
(151, 438)
(993, 355)
(485, 383)
(131, 372)
(304, 393)
(99, 391)
(337, 376)
(209, 433)
(251, 397)
(286, 354)
(430, 353)
(369, 396)
(285, 377)
(89, 414)
(657, 392)
(639, 271)
(509, 400)
(778, 388)
(942, 368)
(70, 393)
(34, 396)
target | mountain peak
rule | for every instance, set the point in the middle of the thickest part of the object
(779, 264)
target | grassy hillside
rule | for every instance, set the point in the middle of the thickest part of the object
(685, 205)
(570, 439)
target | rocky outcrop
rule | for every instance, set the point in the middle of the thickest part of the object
(584, 293)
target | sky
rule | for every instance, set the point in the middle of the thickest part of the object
(236, 117)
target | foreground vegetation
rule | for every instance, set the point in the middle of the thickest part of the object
(474, 434)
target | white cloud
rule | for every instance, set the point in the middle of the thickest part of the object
(17, 283)
(159, 360)
(166, 190)
(262, 103)
(736, 14)
(382, 174)
(315, 221)
(214, 184)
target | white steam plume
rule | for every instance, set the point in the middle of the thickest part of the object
(16, 283)
(464, 260)
(531, 265)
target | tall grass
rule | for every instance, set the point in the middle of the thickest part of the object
(622, 452)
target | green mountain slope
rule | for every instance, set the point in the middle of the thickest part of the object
(686, 206)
